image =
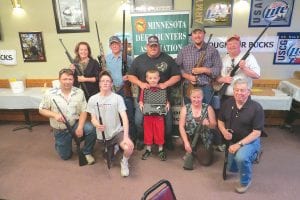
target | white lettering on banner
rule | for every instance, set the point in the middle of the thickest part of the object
(161, 36)
(265, 44)
(166, 25)
(8, 57)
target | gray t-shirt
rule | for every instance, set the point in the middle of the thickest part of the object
(110, 106)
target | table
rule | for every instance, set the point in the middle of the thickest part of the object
(25, 101)
(292, 88)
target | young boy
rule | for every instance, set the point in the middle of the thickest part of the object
(111, 105)
(154, 127)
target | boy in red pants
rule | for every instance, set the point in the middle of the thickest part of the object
(154, 124)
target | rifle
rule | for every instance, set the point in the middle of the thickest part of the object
(199, 64)
(77, 69)
(227, 144)
(188, 161)
(101, 56)
(81, 157)
(127, 84)
(236, 67)
(106, 152)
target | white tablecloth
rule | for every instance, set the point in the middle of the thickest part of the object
(29, 99)
(280, 101)
(291, 89)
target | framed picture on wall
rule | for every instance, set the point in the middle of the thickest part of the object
(153, 5)
(278, 12)
(32, 46)
(71, 16)
(212, 13)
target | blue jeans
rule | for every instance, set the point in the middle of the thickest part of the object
(242, 161)
(139, 117)
(63, 140)
(207, 92)
(129, 103)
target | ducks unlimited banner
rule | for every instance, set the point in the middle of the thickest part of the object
(172, 29)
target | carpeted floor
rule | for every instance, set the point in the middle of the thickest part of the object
(31, 170)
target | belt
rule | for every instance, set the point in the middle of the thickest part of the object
(58, 130)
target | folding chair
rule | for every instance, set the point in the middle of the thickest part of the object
(162, 190)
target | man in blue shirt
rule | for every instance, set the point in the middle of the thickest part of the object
(114, 66)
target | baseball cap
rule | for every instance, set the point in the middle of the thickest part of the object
(198, 26)
(114, 39)
(233, 37)
(153, 40)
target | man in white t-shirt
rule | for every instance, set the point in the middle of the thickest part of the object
(248, 69)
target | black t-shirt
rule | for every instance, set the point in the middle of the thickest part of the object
(164, 63)
(242, 121)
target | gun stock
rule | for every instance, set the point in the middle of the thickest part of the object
(81, 157)
(227, 143)
(106, 152)
(101, 56)
(245, 56)
(77, 69)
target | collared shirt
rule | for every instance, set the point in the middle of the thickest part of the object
(227, 62)
(71, 107)
(114, 66)
(188, 57)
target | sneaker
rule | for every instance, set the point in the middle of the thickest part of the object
(162, 155)
(146, 154)
(242, 188)
(90, 159)
(124, 168)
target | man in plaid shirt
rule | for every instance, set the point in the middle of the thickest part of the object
(188, 58)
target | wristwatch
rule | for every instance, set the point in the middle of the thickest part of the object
(241, 144)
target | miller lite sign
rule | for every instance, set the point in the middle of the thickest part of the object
(279, 12)
(288, 48)
(8, 57)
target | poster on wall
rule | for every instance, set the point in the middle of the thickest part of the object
(212, 13)
(172, 29)
(32, 46)
(288, 48)
(278, 12)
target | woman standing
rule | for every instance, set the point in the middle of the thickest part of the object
(89, 79)
(190, 120)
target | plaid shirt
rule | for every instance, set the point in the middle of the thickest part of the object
(189, 55)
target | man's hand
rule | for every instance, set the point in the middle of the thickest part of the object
(141, 104)
(242, 65)
(201, 70)
(144, 85)
(227, 135)
(162, 86)
(226, 79)
(79, 132)
(234, 148)
(58, 117)
(125, 78)
(81, 79)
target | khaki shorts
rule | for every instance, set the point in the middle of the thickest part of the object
(116, 139)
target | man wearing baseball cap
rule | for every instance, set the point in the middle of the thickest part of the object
(169, 75)
(248, 69)
(202, 54)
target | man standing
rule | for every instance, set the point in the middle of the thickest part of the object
(169, 75)
(248, 69)
(72, 102)
(114, 66)
(241, 121)
(210, 62)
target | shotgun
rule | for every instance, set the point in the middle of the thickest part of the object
(127, 84)
(106, 152)
(81, 157)
(77, 69)
(223, 89)
(101, 56)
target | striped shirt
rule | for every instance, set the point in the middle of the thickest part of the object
(189, 55)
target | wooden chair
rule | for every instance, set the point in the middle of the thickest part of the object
(162, 190)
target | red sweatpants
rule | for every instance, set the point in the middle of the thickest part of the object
(154, 130)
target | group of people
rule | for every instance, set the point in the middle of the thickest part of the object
(126, 124)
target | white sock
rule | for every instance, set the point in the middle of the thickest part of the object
(160, 147)
(124, 159)
(148, 147)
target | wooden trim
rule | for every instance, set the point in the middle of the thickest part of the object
(267, 83)
(39, 82)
